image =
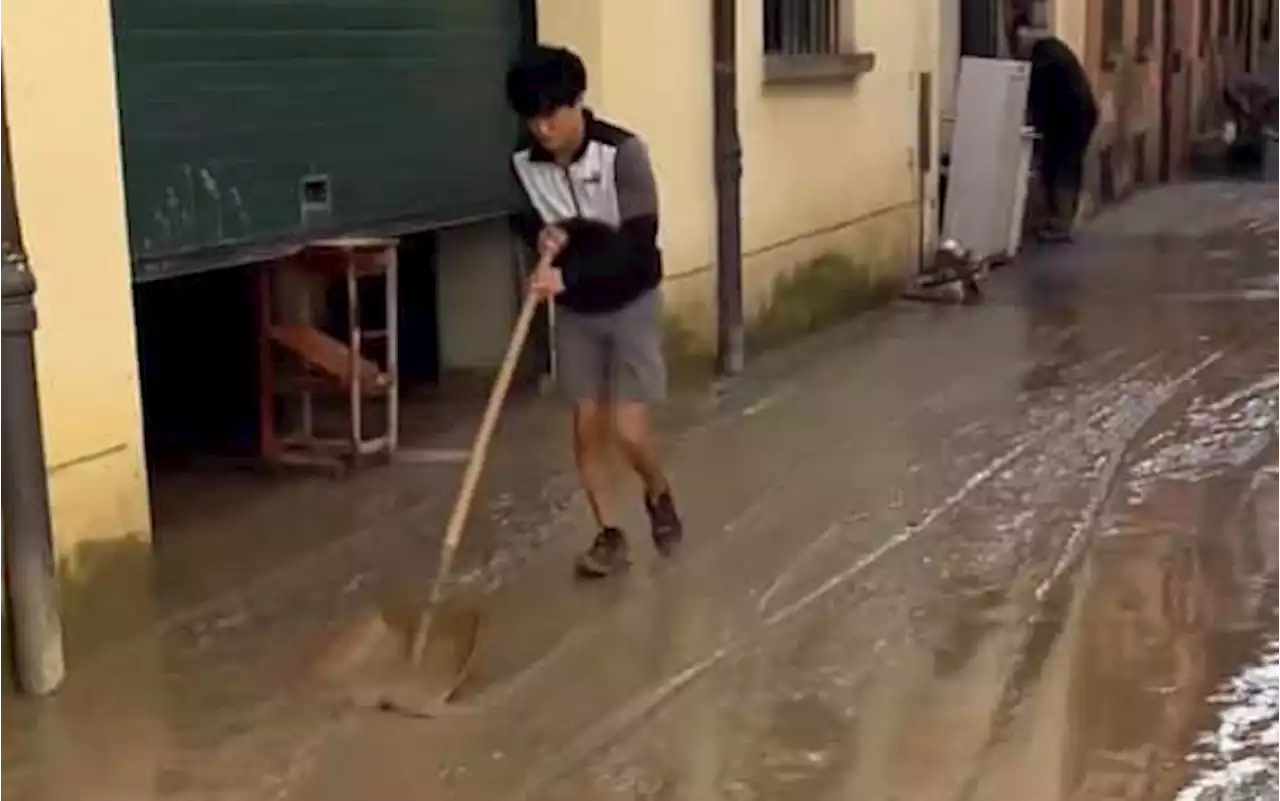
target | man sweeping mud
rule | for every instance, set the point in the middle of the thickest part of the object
(592, 212)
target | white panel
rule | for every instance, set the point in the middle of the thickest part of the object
(985, 148)
(1026, 146)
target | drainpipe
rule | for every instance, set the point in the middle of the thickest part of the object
(30, 583)
(728, 181)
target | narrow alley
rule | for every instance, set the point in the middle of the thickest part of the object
(1024, 549)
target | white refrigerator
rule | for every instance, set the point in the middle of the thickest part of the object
(991, 148)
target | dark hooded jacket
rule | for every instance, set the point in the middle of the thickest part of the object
(1060, 103)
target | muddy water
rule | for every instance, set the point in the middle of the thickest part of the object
(1028, 555)
(1023, 550)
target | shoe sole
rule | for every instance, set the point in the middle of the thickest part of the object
(593, 571)
(668, 548)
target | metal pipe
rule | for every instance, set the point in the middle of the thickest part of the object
(728, 181)
(30, 578)
(835, 33)
(786, 27)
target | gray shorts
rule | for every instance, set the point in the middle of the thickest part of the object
(613, 355)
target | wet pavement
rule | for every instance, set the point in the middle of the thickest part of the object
(1020, 550)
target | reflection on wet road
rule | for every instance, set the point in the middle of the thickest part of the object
(1022, 550)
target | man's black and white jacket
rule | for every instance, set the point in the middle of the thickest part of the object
(605, 199)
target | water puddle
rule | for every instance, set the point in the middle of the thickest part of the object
(1238, 759)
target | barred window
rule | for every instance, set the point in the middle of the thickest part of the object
(802, 27)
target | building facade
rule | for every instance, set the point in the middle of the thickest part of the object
(65, 148)
(170, 148)
(157, 159)
(838, 116)
(836, 140)
(1157, 68)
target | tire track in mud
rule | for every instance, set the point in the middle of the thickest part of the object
(636, 709)
(1125, 432)
(783, 483)
(1052, 595)
(261, 717)
(839, 526)
(771, 493)
(1198, 428)
(264, 717)
(1110, 384)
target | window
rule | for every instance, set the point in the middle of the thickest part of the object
(807, 41)
(1146, 27)
(1206, 26)
(1112, 32)
(802, 27)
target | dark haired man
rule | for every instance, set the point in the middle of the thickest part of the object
(592, 211)
(1061, 107)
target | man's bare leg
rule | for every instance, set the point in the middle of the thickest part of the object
(634, 429)
(591, 448)
(633, 426)
(591, 425)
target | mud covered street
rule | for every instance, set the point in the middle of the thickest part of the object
(1025, 549)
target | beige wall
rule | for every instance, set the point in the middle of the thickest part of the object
(1070, 23)
(67, 175)
(825, 168)
(477, 294)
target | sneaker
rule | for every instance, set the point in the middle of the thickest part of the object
(608, 553)
(667, 528)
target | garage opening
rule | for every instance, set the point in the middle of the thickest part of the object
(236, 140)
(223, 514)
(220, 515)
(198, 356)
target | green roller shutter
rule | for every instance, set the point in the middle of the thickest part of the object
(252, 124)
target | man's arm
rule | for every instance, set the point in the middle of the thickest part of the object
(1036, 93)
(597, 252)
(637, 200)
(525, 221)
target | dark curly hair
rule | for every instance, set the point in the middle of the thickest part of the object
(545, 79)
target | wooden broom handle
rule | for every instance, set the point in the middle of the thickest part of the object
(480, 448)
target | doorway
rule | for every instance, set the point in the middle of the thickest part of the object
(928, 226)
(1172, 123)
(1245, 34)
(221, 519)
(980, 33)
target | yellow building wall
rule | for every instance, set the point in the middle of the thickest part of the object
(61, 99)
(825, 168)
(1070, 23)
